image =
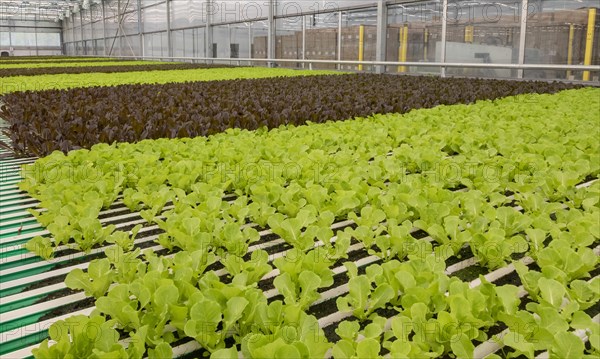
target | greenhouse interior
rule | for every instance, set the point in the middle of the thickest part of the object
(281, 179)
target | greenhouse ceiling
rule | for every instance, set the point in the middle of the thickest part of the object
(57, 10)
(45, 10)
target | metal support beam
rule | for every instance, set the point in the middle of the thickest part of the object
(92, 32)
(361, 45)
(403, 48)
(82, 34)
(37, 51)
(570, 49)
(444, 23)
(303, 40)
(469, 34)
(382, 17)
(229, 38)
(119, 17)
(339, 40)
(169, 42)
(208, 33)
(425, 44)
(73, 35)
(103, 26)
(250, 41)
(63, 48)
(271, 36)
(10, 46)
(194, 45)
(589, 41)
(522, 35)
(140, 27)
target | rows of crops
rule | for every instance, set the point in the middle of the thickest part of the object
(42, 122)
(37, 59)
(67, 81)
(91, 68)
(464, 231)
(11, 65)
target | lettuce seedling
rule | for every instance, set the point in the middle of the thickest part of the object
(96, 281)
(362, 300)
(290, 229)
(73, 339)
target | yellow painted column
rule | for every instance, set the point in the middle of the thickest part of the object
(570, 49)
(400, 37)
(469, 34)
(589, 41)
(403, 49)
(404, 46)
(361, 45)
